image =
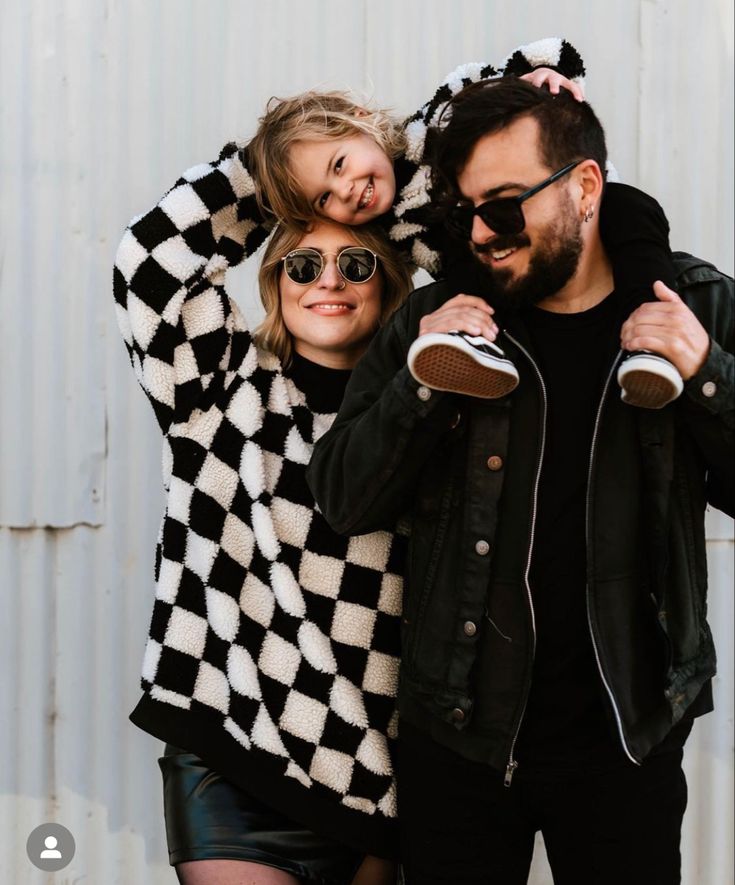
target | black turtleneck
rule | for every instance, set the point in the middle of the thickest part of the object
(324, 388)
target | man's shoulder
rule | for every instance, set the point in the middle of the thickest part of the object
(691, 271)
(427, 299)
(709, 293)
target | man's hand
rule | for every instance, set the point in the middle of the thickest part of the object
(553, 82)
(463, 313)
(669, 328)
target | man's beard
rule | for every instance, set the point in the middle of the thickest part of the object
(554, 261)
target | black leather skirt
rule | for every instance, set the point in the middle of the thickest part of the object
(207, 817)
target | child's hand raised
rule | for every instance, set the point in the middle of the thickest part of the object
(463, 313)
(554, 82)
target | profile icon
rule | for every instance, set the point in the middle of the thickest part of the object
(51, 851)
(50, 847)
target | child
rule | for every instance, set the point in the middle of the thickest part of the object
(320, 154)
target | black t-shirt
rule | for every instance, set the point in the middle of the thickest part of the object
(566, 714)
(568, 721)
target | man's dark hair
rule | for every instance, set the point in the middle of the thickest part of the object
(568, 129)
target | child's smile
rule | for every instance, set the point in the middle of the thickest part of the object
(349, 180)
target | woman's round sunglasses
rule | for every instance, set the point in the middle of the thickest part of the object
(503, 215)
(356, 264)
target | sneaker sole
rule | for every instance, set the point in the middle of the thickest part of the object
(442, 367)
(649, 383)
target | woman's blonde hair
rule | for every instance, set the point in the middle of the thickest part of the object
(395, 271)
(311, 116)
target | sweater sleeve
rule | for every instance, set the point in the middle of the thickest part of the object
(168, 281)
(408, 226)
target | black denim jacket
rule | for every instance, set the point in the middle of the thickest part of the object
(462, 473)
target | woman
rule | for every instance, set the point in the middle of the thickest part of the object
(272, 656)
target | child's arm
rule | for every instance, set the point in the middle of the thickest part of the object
(171, 305)
(413, 178)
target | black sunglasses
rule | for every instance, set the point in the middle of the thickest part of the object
(503, 215)
(355, 263)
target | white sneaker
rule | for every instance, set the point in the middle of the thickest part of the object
(648, 380)
(460, 363)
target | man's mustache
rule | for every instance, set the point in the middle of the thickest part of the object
(499, 243)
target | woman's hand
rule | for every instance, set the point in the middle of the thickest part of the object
(463, 313)
(554, 82)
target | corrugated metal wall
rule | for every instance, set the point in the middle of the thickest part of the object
(103, 103)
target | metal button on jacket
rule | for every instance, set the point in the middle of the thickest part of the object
(458, 715)
(423, 393)
(470, 628)
(482, 548)
(709, 388)
(494, 462)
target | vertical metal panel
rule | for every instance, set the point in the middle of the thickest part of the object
(685, 129)
(104, 104)
(52, 413)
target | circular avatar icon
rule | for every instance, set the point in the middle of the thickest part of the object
(50, 847)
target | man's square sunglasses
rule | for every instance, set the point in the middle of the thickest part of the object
(503, 215)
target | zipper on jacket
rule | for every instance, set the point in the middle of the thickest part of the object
(608, 688)
(512, 764)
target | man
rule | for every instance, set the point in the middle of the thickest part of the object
(555, 647)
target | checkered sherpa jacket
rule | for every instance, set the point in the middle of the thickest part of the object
(273, 648)
(273, 643)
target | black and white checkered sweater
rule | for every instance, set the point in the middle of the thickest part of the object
(273, 647)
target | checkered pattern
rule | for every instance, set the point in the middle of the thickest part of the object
(266, 623)
(407, 224)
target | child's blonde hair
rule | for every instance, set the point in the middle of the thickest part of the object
(395, 272)
(311, 116)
